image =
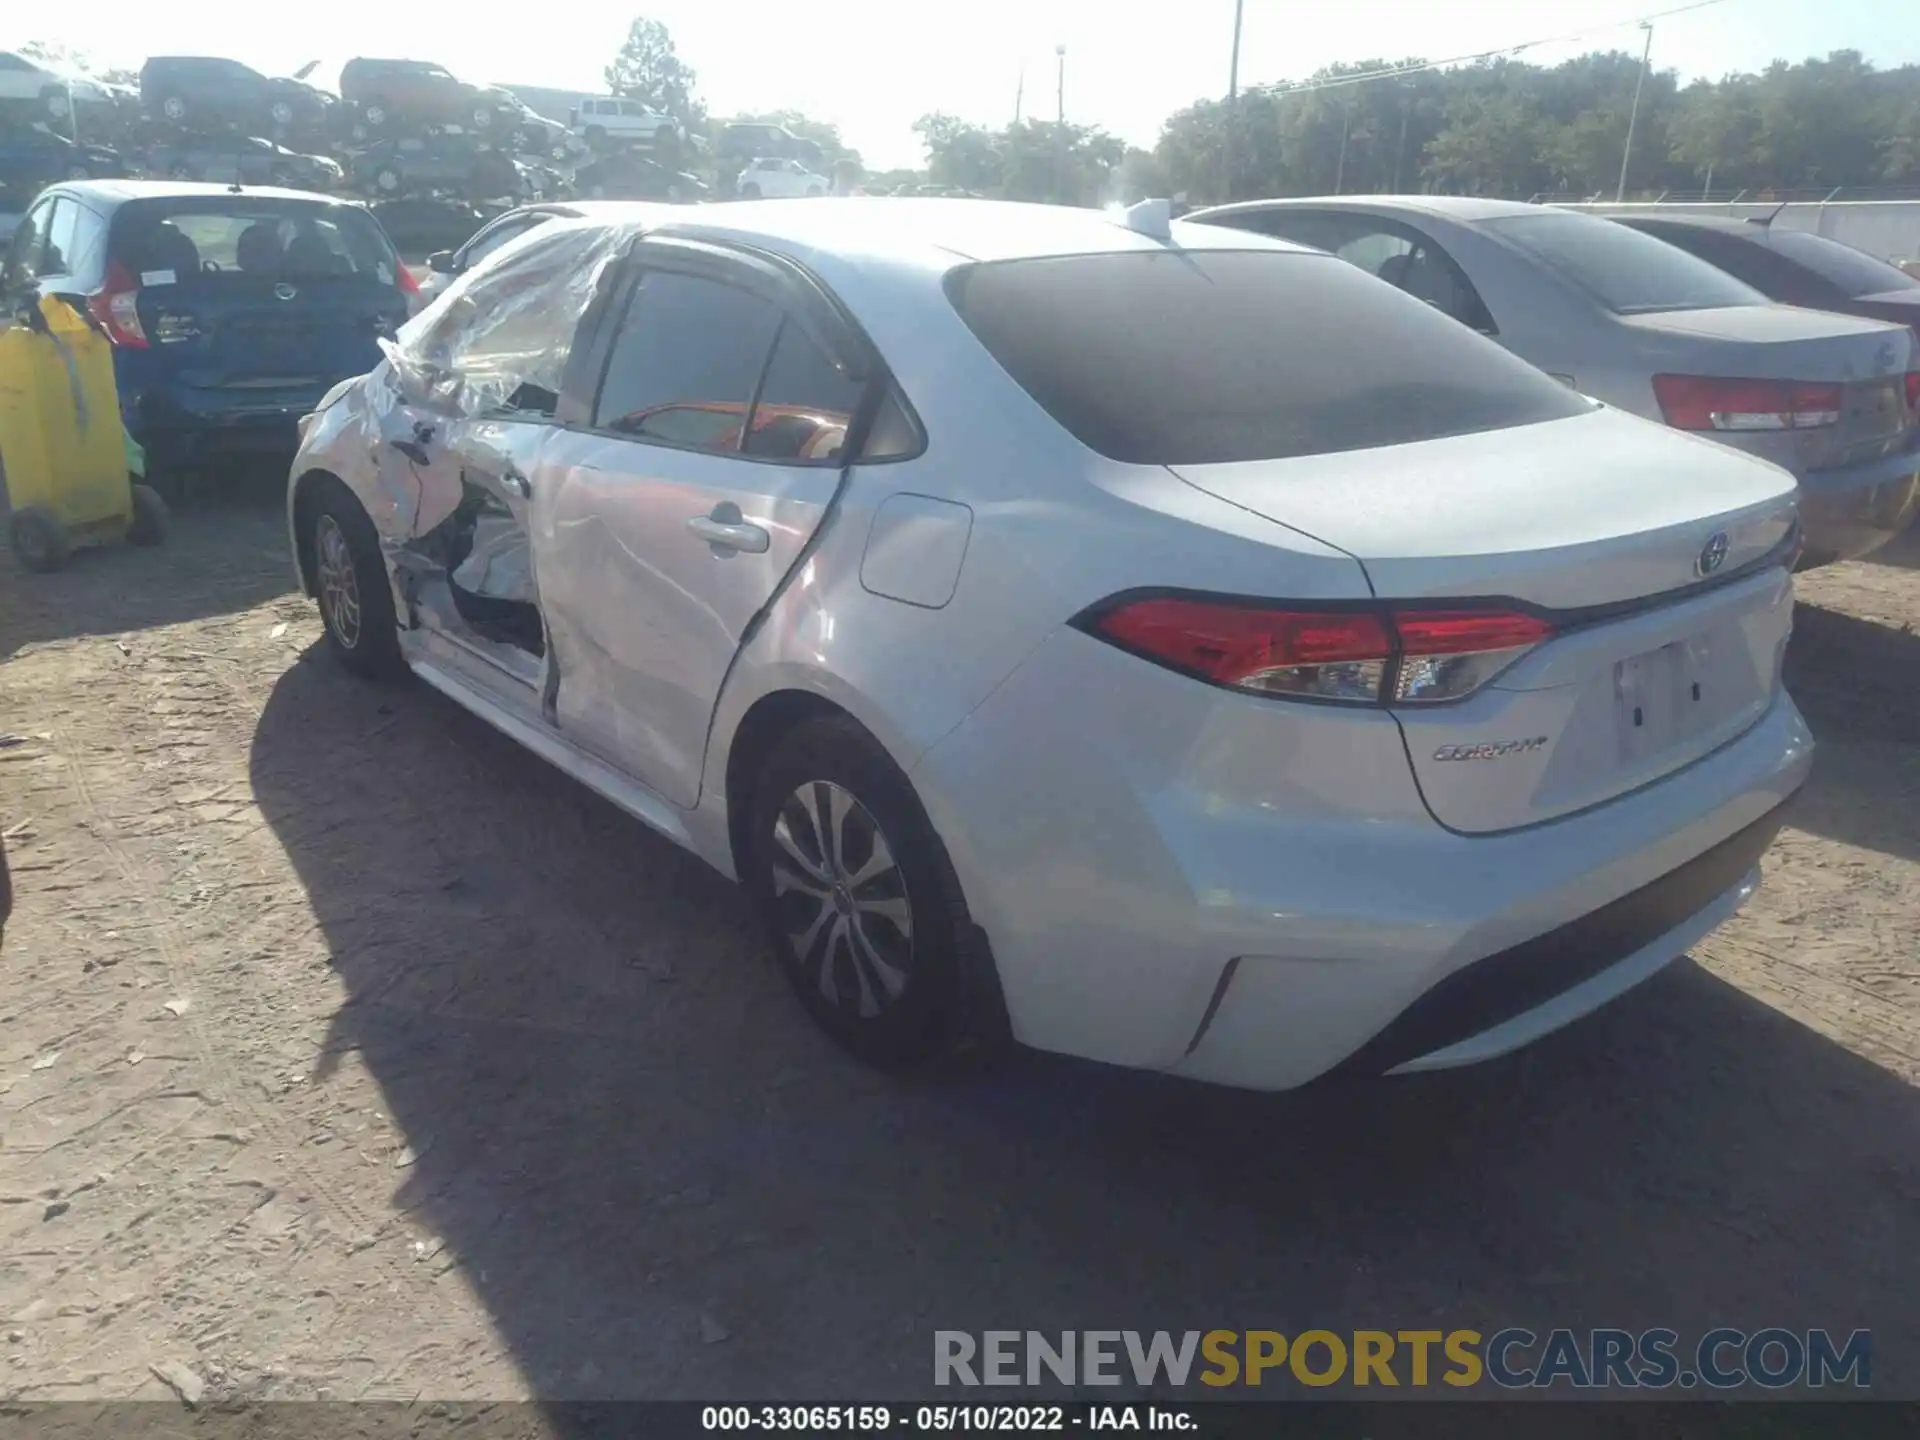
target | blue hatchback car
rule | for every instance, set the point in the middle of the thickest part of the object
(231, 310)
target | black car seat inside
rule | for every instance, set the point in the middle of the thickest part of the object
(258, 251)
(162, 248)
(309, 257)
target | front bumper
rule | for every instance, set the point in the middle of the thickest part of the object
(1249, 892)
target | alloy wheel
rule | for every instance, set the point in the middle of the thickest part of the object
(842, 899)
(339, 582)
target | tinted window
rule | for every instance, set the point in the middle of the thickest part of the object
(1195, 357)
(23, 252)
(484, 245)
(1855, 272)
(805, 405)
(1625, 271)
(63, 225)
(686, 361)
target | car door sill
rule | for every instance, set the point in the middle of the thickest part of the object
(542, 739)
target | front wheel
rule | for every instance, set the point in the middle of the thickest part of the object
(860, 901)
(388, 180)
(350, 582)
(750, 191)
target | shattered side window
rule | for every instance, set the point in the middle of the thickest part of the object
(499, 337)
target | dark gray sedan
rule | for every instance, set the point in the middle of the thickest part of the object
(1648, 328)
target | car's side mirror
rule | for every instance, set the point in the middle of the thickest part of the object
(441, 262)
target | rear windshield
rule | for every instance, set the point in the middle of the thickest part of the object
(1198, 357)
(260, 239)
(1854, 272)
(1626, 271)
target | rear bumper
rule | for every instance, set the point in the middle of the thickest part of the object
(1251, 893)
(1851, 512)
(1527, 990)
(174, 422)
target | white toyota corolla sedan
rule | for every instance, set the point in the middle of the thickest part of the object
(1152, 641)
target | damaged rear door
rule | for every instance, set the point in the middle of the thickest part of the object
(710, 446)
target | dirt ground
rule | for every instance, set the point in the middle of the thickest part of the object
(346, 1050)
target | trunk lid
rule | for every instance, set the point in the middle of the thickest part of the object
(1618, 526)
(1867, 358)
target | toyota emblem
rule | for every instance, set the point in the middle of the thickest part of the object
(1714, 553)
(284, 291)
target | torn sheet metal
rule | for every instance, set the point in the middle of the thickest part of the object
(507, 325)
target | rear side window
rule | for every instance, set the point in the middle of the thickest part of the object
(1209, 356)
(262, 240)
(1627, 272)
(1854, 272)
(806, 404)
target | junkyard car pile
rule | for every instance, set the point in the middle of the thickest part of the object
(388, 129)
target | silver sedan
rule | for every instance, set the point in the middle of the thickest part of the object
(1646, 327)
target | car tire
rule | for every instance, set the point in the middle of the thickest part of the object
(40, 542)
(174, 108)
(387, 181)
(350, 581)
(374, 112)
(879, 964)
(150, 517)
(280, 112)
(750, 191)
(482, 118)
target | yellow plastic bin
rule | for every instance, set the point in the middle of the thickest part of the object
(64, 455)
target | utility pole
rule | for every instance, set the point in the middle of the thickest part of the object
(1019, 90)
(1233, 104)
(1406, 110)
(1060, 126)
(1633, 115)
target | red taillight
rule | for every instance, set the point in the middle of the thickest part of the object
(116, 305)
(1913, 389)
(1367, 657)
(1707, 402)
(408, 285)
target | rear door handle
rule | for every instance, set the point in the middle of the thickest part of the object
(729, 532)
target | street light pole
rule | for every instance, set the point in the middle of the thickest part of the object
(1060, 125)
(1633, 115)
(1233, 102)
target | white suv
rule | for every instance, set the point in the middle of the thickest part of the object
(629, 122)
(778, 179)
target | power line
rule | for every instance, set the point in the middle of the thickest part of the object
(1390, 72)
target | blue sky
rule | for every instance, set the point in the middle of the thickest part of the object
(872, 66)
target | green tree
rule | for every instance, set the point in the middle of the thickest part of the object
(1031, 160)
(649, 70)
